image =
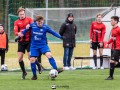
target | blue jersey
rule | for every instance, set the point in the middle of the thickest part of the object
(38, 34)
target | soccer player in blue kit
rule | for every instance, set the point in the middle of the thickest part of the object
(39, 43)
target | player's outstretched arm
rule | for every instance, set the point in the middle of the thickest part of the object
(49, 30)
(21, 34)
(28, 27)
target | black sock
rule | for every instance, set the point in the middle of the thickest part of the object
(101, 60)
(2, 61)
(38, 65)
(95, 59)
(39, 58)
(112, 67)
(22, 66)
(2, 57)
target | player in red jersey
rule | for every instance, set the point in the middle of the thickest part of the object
(24, 42)
(115, 40)
(97, 33)
(110, 43)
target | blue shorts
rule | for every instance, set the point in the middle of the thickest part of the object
(35, 52)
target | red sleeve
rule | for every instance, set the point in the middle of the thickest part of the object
(91, 31)
(15, 29)
(110, 41)
(103, 33)
(118, 31)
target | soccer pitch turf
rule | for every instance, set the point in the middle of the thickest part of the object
(68, 80)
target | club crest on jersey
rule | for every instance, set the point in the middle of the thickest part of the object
(67, 24)
(19, 23)
(41, 30)
(74, 27)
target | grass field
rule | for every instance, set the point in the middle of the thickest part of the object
(68, 80)
(57, 52)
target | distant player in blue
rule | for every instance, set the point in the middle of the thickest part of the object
(39, 43)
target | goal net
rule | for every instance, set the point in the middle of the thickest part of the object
(54, 17)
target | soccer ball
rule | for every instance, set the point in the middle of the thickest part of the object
(53, 73)
(4, 67)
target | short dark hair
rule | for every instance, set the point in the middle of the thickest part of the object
(20, 9)
(39, 17)
(99, 14)
(116, 18)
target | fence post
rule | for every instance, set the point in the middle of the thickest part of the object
(46, 12)
(6, 15)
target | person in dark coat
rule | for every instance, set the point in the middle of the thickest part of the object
(67, 31)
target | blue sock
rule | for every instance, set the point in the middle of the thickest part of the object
(33, 68)
(52, 62)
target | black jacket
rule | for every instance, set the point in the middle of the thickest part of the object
(68, 31)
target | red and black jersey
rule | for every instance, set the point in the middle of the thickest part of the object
(115, 38)
(97, 32)
(20, 25)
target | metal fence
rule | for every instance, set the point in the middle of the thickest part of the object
(9, 7)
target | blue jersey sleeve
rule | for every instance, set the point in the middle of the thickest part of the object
(26, 30)
(51, 31)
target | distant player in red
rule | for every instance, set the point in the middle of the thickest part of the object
(24, 42)
(97, 33)
(111, 43)
(115, 40)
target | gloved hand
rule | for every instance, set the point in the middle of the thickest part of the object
(17, 38)
(63, 37)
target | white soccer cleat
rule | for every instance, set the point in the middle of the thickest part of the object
(72, 68)
(66, 68)
(101, 67)
(94, 68)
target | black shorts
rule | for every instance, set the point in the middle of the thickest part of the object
(95, 45)
(22, 46)
(112, 51)
(115, 56)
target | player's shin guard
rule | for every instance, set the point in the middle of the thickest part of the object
(33, 68)
(52, 62)
(101, 61)
(95, 60)
(112, 67)
(22, 66)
